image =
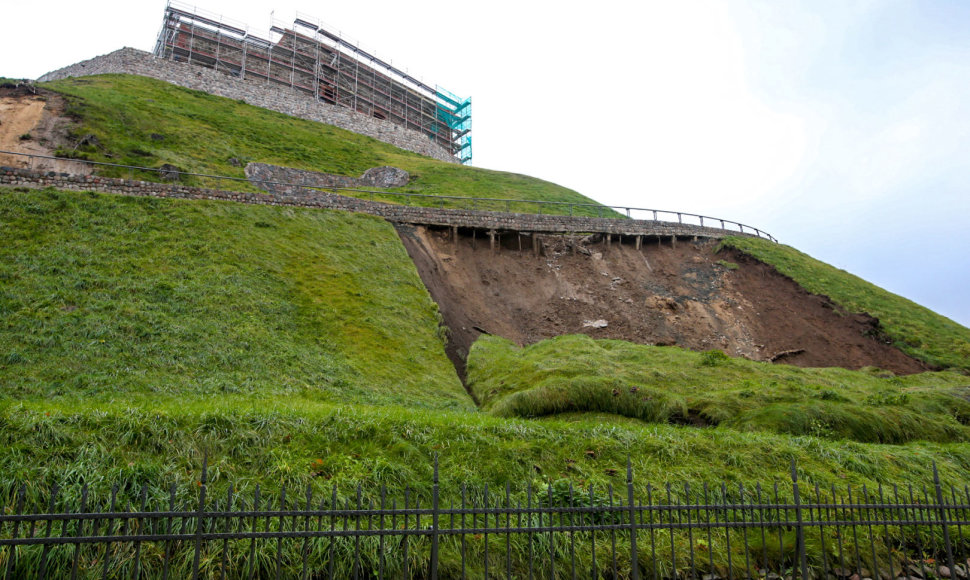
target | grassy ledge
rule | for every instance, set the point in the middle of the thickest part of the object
(576, 374)
(916, 330)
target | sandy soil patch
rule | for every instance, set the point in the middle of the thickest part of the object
(23, 112)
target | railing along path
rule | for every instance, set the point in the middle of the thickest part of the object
(443, 201)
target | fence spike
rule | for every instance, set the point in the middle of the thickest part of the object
(80, 530)
(800, 527)
(433, 564)
(50, 524)
(631, 506)
(944, 520)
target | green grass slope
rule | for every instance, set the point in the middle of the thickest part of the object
(914, 329)
(576, 374)
(276, 441)
(201, 133)
(102, 295)
(293, 343)
(299, 347)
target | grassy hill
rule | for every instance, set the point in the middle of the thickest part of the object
(138, 334)
(300, 347)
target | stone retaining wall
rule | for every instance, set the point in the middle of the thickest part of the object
(260, 93)
(485, 220)
(277, 179)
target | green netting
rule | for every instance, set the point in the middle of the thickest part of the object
(456, 114)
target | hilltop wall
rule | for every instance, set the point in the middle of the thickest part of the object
(255, 92)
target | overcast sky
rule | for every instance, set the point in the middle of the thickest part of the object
(841, 127)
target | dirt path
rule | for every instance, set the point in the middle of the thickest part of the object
(661, 294)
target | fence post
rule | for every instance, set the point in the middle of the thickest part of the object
(47, 534)
(799, 528)
(200, 514)
(943, 519)
(433, 572)
(631, 506)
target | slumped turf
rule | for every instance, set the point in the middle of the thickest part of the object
(575, 374)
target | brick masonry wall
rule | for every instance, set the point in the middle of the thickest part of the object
(485, 220)
(260, 93)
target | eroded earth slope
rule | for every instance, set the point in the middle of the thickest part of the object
(683, 294)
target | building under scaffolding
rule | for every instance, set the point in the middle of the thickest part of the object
(316, 61)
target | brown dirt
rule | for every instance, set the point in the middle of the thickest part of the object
(661, 294)
(37, 113)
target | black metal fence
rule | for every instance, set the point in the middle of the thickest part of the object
(785, 530)
(436, 200)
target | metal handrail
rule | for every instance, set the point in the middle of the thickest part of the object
(600, 209)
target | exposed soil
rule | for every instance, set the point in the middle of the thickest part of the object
(28, 111)
(662, 294)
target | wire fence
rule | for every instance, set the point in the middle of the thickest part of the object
(785, 530)
(442, 201)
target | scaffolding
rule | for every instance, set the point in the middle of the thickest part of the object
(308, 57)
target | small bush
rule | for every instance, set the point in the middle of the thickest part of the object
(560, 493)
(714, 358)
(26, 137)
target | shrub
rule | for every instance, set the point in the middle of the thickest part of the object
(713, 358)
